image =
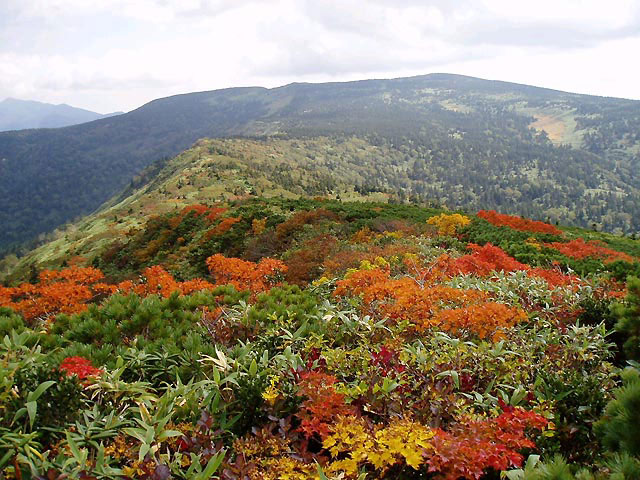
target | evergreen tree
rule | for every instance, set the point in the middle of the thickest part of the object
(628, 315)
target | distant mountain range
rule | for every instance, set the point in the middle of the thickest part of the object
(447, 139)
(22, 114)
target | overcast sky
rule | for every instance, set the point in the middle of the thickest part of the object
(108, 55)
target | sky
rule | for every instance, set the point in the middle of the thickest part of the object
(116, 55)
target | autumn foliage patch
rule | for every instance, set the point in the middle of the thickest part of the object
(79, 366)
(518, 223)
(429, 305)
(488, 258)
(244, 275)
(473, 446)
(64, 291)
(578, 248)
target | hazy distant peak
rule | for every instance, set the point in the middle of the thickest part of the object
(17, 114)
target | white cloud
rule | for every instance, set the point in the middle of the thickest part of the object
(117, 54)
(146, 10)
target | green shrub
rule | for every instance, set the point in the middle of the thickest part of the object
(9, 320)
(628, 315)
(618, 428)
(58, 405)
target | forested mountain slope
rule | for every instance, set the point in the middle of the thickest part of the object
(227, 170)
(483, 143)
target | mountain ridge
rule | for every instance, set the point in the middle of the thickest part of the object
(468, 121)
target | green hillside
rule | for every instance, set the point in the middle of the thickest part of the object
(347, 168)
(485, 144)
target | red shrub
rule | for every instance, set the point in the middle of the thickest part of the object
(579, 249)
(517, 223)
(79, 366)
(473, 446)
(322, 403)
(485, 260)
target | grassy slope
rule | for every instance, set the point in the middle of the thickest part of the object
(211, 171)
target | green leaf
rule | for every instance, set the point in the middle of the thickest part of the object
(321, 474)
(195, 463)
(5, 459)
(168, 434)
(513, 474)
(144, 449)
(74, 448)
(32, 408)
(35, 395)
(532, 461)
(253, 368)
(456, 378)
(213, 465)
(19, 414)
(100, 458)
(137, 433)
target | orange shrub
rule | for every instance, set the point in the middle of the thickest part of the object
(256, 277)
(63, 291)
(198, 210)
(191, 286)
(223, 227)
(214, 213)
(429, 306)
(554, 277)
(321, 405)
(486, 319)
(488, 258)
(473, 446)
(157, 281)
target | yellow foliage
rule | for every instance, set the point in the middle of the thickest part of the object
(258, 226)
(447, 224)
(402, 441)
(286, 468)
(364, 235)
(271, 457)
(379, 262)
(397, 235)
(271, 393)
(320, 281)
(531, 241)
(119, 448)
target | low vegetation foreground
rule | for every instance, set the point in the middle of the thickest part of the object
(316, 339)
